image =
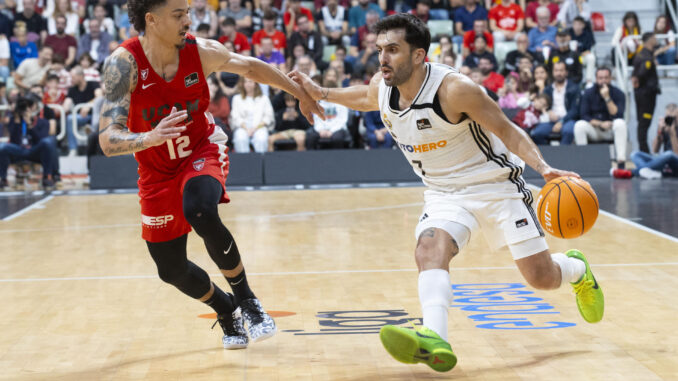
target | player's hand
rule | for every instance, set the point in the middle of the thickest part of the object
(311, 88)
(312, 93)
(168, 128)
(552, 173)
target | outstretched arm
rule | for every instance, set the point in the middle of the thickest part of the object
(359, 98)
(216, 58)
(119, 81)
(459, 94)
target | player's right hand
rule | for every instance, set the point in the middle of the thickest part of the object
(167, 128)
(311, 88)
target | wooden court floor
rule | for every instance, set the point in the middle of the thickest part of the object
(81, 301)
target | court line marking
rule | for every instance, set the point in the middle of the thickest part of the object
(324, 272)
(235, 219)
(37, 204)
(626, 221)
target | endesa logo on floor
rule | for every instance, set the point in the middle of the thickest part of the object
(504, 306)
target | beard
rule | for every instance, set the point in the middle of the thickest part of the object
(60, 30)
(485, 71)
(400, 77)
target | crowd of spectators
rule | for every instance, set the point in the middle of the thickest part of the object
(534, 57)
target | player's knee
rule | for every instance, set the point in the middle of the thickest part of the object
(430, 252)
(173, 275)
(619, 125)
(200, 212)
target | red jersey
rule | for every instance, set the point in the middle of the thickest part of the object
(506, 17)
(239, 42)
(470, 38)
(278, 38)
(153, 99)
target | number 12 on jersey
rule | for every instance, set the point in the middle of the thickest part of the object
(182, 142)
(418, 163)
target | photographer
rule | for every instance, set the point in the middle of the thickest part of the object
(665, 161)
(29, 140)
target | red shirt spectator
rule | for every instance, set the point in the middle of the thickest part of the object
(531, 10)
(278, 37)
(305, 11)
(506, 16)
(470, 36)
(494, 81)
(239, 42)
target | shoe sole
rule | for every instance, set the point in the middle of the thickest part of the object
(265, 336)
(236, 346)
(404, 348)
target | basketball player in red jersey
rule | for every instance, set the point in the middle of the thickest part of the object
(156, 102)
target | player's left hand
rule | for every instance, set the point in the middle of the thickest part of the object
(309, 107)
(552, 173)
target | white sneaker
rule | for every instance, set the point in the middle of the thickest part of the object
(650, 174)
(72, 153)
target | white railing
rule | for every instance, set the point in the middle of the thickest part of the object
(62, 119)
(74, 120)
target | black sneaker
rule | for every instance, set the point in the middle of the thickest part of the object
(260, 325)
(3, 184)
(235, 336)
(48, 184)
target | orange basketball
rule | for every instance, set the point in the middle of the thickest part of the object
(567, 207)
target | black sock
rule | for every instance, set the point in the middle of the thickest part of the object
(241, 290)
(221, 302)
(621, 165)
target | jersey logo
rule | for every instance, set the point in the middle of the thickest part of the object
(423, 124)
(425, 216)
(191, 79)
(521, 223)
(144, 74)
(199, 164)
(147, 85)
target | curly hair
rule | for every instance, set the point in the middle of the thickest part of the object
(138, 9)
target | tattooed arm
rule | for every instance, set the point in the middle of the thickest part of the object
(120, 80)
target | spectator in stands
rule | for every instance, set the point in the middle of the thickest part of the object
(340, 54)
(251, 117)
(125, 28)
(33, 70)
(271, 56)
(465, 18)
(357, 39)
(666, 51)
(506, 20)
(369, 56)
(71, 25)
(583, 35)
(202, 31)
(451, 59)
(259, 13)
(376, 133)
(564, 110)
(58, 68)
(22, 48)
(29, 139)
(242, 17)
(543, 35)
(333, 23)
(53, 95)
(571, 9)
(109, 6)
(532, 18)
(480, 51)
(106, 23)
(629, 27)
(357, 14)
(289, 124)
(509, 94)
(536, 112)
(82, 92)
(35, 24)
(309, 38)
(440, 10)
(5, 24)
(422, 10)
(277, 37)
(645, 84)
(228, 33)
(88, 67)
(525, 74)
(479, 29)
(564, 54)
(201, 14)
(219, 106)
(444, 45)
(665, 160)
(477, 77)
(64, 45)
(5, 56)
(294, 10)
(602, 115)
(513, 57)
(491, 79)
(343, 79)
(334, 127)
(540, 79)
(96, 43)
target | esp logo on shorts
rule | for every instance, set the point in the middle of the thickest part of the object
(156, 221)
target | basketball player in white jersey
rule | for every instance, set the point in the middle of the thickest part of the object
(471, 157)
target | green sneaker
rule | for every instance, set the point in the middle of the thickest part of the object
(412, 346)
(590, 300)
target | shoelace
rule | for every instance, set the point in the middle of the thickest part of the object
(253, 312)
(228, 329)
(585, 291)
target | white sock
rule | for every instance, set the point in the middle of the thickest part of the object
(571, 269)
(435, 294)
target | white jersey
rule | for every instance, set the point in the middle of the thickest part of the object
(449, 157)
